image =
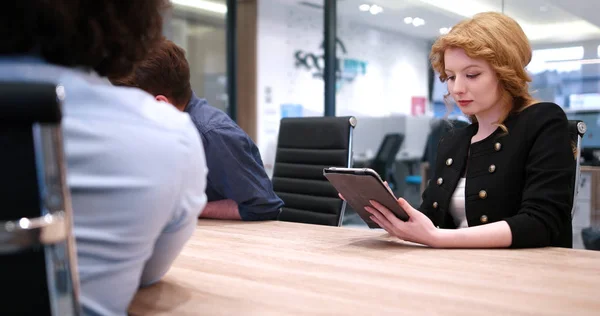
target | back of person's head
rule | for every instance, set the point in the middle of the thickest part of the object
(165, 71)
(498, 40)
(109, 36)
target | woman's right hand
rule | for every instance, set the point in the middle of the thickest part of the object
(418, 228)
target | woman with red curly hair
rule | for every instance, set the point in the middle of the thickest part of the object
(506, 179)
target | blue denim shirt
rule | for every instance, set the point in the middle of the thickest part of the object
(235, 168)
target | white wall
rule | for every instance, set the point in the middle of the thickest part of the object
(396, 69)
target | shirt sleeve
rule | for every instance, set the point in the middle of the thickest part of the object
(183, 222)
(237, 173)
(549, 170)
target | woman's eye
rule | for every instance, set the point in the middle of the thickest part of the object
(473, 76)
(451, 78)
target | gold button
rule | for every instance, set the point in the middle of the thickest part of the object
(435, 204)
(482, 194)
(492, 168)
(449, 162)
(440, 181)
(483, 219)
(497, 146)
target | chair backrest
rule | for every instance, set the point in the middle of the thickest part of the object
(577, 129)
(305, 146)
(439, 130)
(386, 154)
(37, 251)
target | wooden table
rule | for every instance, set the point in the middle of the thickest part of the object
(278, 268)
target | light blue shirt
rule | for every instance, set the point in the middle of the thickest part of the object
(137, 175)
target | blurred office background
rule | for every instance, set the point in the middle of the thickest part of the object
(383, 76)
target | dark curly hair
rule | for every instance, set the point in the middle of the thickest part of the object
(109, 36)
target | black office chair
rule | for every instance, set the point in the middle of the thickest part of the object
(591, 238)
(384, 161)
(577, 129)
(37, 254)
(438, 130)
(590, 235)
(305, 146)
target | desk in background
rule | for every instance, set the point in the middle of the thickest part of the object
(282, 268)
(587, 204)
(370, 132)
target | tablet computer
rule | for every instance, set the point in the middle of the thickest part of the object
(360, 185)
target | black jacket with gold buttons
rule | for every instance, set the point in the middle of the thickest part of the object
(524, 177)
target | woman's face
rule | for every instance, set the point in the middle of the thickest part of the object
(472, 83)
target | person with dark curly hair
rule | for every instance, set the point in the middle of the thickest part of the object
(135, 167)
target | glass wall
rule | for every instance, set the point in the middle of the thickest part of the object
(290, 58)
(289, 67)
(199, 27)
(392, 41)
(565, 39)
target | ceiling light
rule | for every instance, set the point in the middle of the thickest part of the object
(564, 30)
(579, 61)
(418, 22)
(375, 9)
(444, 30)
(364, 7)
(535, 32)
(414, 21)
(203, 5)
(466, 8)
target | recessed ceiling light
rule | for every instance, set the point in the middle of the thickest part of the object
(534, 31)
(203, 5)
(418, 22)
(444, 30)
(375, 9)
(364, 7)
(408, 20)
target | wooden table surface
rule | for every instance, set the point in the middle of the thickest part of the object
(279, 268)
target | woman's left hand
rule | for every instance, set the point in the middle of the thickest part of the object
(418, 228)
